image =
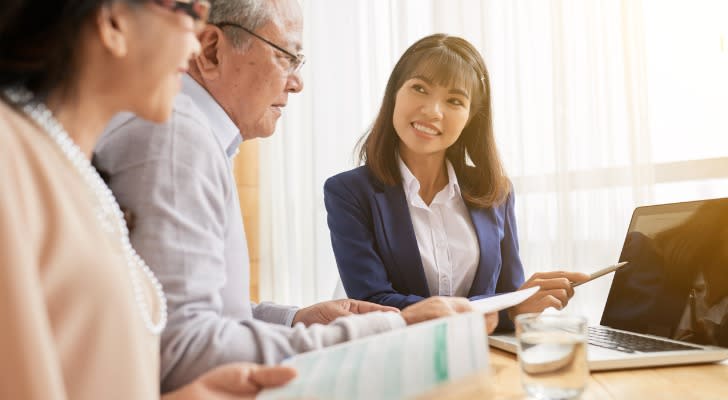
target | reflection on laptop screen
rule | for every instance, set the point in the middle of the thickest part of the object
(676, 282)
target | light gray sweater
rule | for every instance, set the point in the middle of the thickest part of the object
(177, 180)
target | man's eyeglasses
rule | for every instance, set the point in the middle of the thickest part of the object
(199, 10)
(296, 61)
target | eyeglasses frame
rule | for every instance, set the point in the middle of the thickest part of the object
(297, 60)
(188, 6)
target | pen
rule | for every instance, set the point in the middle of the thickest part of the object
(601, 272)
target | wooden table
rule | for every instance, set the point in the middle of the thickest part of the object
(703, 382)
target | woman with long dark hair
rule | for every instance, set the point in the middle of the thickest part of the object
(431, 211)
(81, 312)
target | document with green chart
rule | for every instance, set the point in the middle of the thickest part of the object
(392, 365)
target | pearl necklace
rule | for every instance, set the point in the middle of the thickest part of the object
(107, 210)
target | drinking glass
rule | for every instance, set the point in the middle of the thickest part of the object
(552, 355)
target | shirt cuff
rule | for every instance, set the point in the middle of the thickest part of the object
(274, 313)
(291, 314)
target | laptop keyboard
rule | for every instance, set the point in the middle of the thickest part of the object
(628, 343)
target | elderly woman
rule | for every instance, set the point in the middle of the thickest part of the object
(81, 312)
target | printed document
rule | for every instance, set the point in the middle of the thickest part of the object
(392, 365)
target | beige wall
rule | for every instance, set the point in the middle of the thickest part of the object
(246, 176)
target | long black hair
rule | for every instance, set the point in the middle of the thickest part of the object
(444, 59)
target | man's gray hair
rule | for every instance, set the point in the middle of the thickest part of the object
(251, 14)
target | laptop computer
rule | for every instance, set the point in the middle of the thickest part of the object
(669, 304)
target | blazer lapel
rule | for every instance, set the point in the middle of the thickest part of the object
(400, 237)
(486, 228)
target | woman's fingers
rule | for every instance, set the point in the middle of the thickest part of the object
(556, 280)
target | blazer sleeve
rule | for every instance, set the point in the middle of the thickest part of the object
(353, 239)
(511, 276)
(30, 367)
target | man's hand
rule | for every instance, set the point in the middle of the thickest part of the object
(555, 291)
(435, 307)
(240, 381)
(327, 311)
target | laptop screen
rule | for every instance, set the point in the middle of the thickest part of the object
(676, 282)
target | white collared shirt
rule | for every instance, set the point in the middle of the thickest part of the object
(228, 135)
(445, 235)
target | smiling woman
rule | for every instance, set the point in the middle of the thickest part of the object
(431, 211)
(428, 119)
(452, 66)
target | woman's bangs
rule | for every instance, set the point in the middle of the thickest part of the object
(445, 68)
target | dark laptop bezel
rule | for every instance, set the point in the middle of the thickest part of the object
(646, 211)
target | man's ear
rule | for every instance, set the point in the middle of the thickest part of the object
(212, 41)
(113, 27)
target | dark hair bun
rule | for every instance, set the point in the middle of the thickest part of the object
(39, 41)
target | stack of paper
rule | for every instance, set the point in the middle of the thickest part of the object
(400, 363)
(392, 365)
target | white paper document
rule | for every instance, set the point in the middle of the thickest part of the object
(392, 365)
(502, 301)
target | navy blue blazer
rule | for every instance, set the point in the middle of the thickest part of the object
(376, 249)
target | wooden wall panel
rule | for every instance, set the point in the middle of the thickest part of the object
(246, 176)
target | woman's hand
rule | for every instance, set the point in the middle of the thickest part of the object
(555, 291)
(239, 381)
(491, 322)
(435, 307)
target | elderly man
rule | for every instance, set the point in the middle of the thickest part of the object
(177, 180)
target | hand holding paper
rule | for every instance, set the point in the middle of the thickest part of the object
(436, 351)
(502, 301)
(434, 307)
(392, 365)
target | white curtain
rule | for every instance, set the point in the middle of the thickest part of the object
(599, 106)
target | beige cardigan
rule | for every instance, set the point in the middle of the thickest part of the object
(70, 325)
